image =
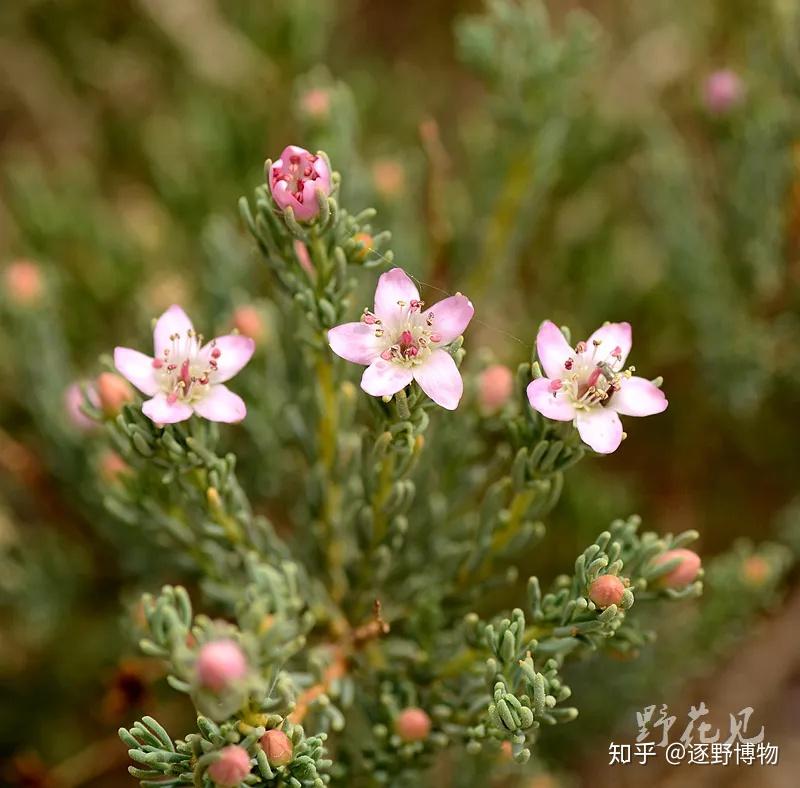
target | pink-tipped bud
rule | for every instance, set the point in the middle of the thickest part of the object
(294, 180)
(412, 724)
(219, 664)
(304, 258)
(277, 747)
(73, 402)
(316, 104)
(684, 573)
(365, 239)
(389, 178)
(723, 91)
(23, 282)
(113, 392)
(112, 466)
(247, 320)
(232, 766)
(495, 387)
(755, 570)
(606, 590)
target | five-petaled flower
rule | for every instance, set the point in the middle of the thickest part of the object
(295, 180)
(400, 341)
(185, 376)
(588, 384)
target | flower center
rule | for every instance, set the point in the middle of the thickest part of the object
(296, 172)
(409, 336)
(185, 368)
(591, 377)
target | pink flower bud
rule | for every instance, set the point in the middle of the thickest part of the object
(723, 91)
(684, 573)
(73, 401)
(277, 747)
(495, 387)
(232, 766)
(112, 466)
(295, 179)
(23, 281)
(113, 392)
(412, 724)
(755, 570)
(316, 103)
(606, 590)
(389, 178)
(220, 663)
(304, 258)
(365, 239)
(247, 320)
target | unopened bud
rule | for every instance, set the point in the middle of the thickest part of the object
(113, 392)
(495, 387)
(23, 282)
(232, 766)
(247, 320)
(684, 573)
(277, 747)
(755, 570)
(412, 724)
(606, 590)
(219, 664)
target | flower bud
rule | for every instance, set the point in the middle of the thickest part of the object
(113, 392)
(73, 401)
(23, 282)
(304, 258)
(232, 766)
(723, 91)
(412, 724)
(220, 663)
(365, 239)
(295, 179)
(684, 573)
(495, 386)
(755, 570)
(277, 747)
(316, 104)
(112, 466)
(389, 178)
(247, 320)
(606, 590)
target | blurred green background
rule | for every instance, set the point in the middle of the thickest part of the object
(570, 166)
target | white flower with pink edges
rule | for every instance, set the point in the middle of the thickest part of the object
(590, 386)
(400, 341)
(185, 376)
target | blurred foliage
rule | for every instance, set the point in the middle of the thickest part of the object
(560, 165)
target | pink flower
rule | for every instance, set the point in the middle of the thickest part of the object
(232, 766)
(723, 91)
(220, 663)
(400, 341)
(295, 179)
(588, 385)
(185, 376)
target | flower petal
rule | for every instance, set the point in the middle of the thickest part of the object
(600, 428)
(450, 317)
(393, 286)
(221, 404)
(638, 397)
(161, 411)
(440, 379)
(552, 349)
(235, 351)
(383, 378)
(173, 321)
(354, 342)
(552, 405)
(137, 368)
(612, 336)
